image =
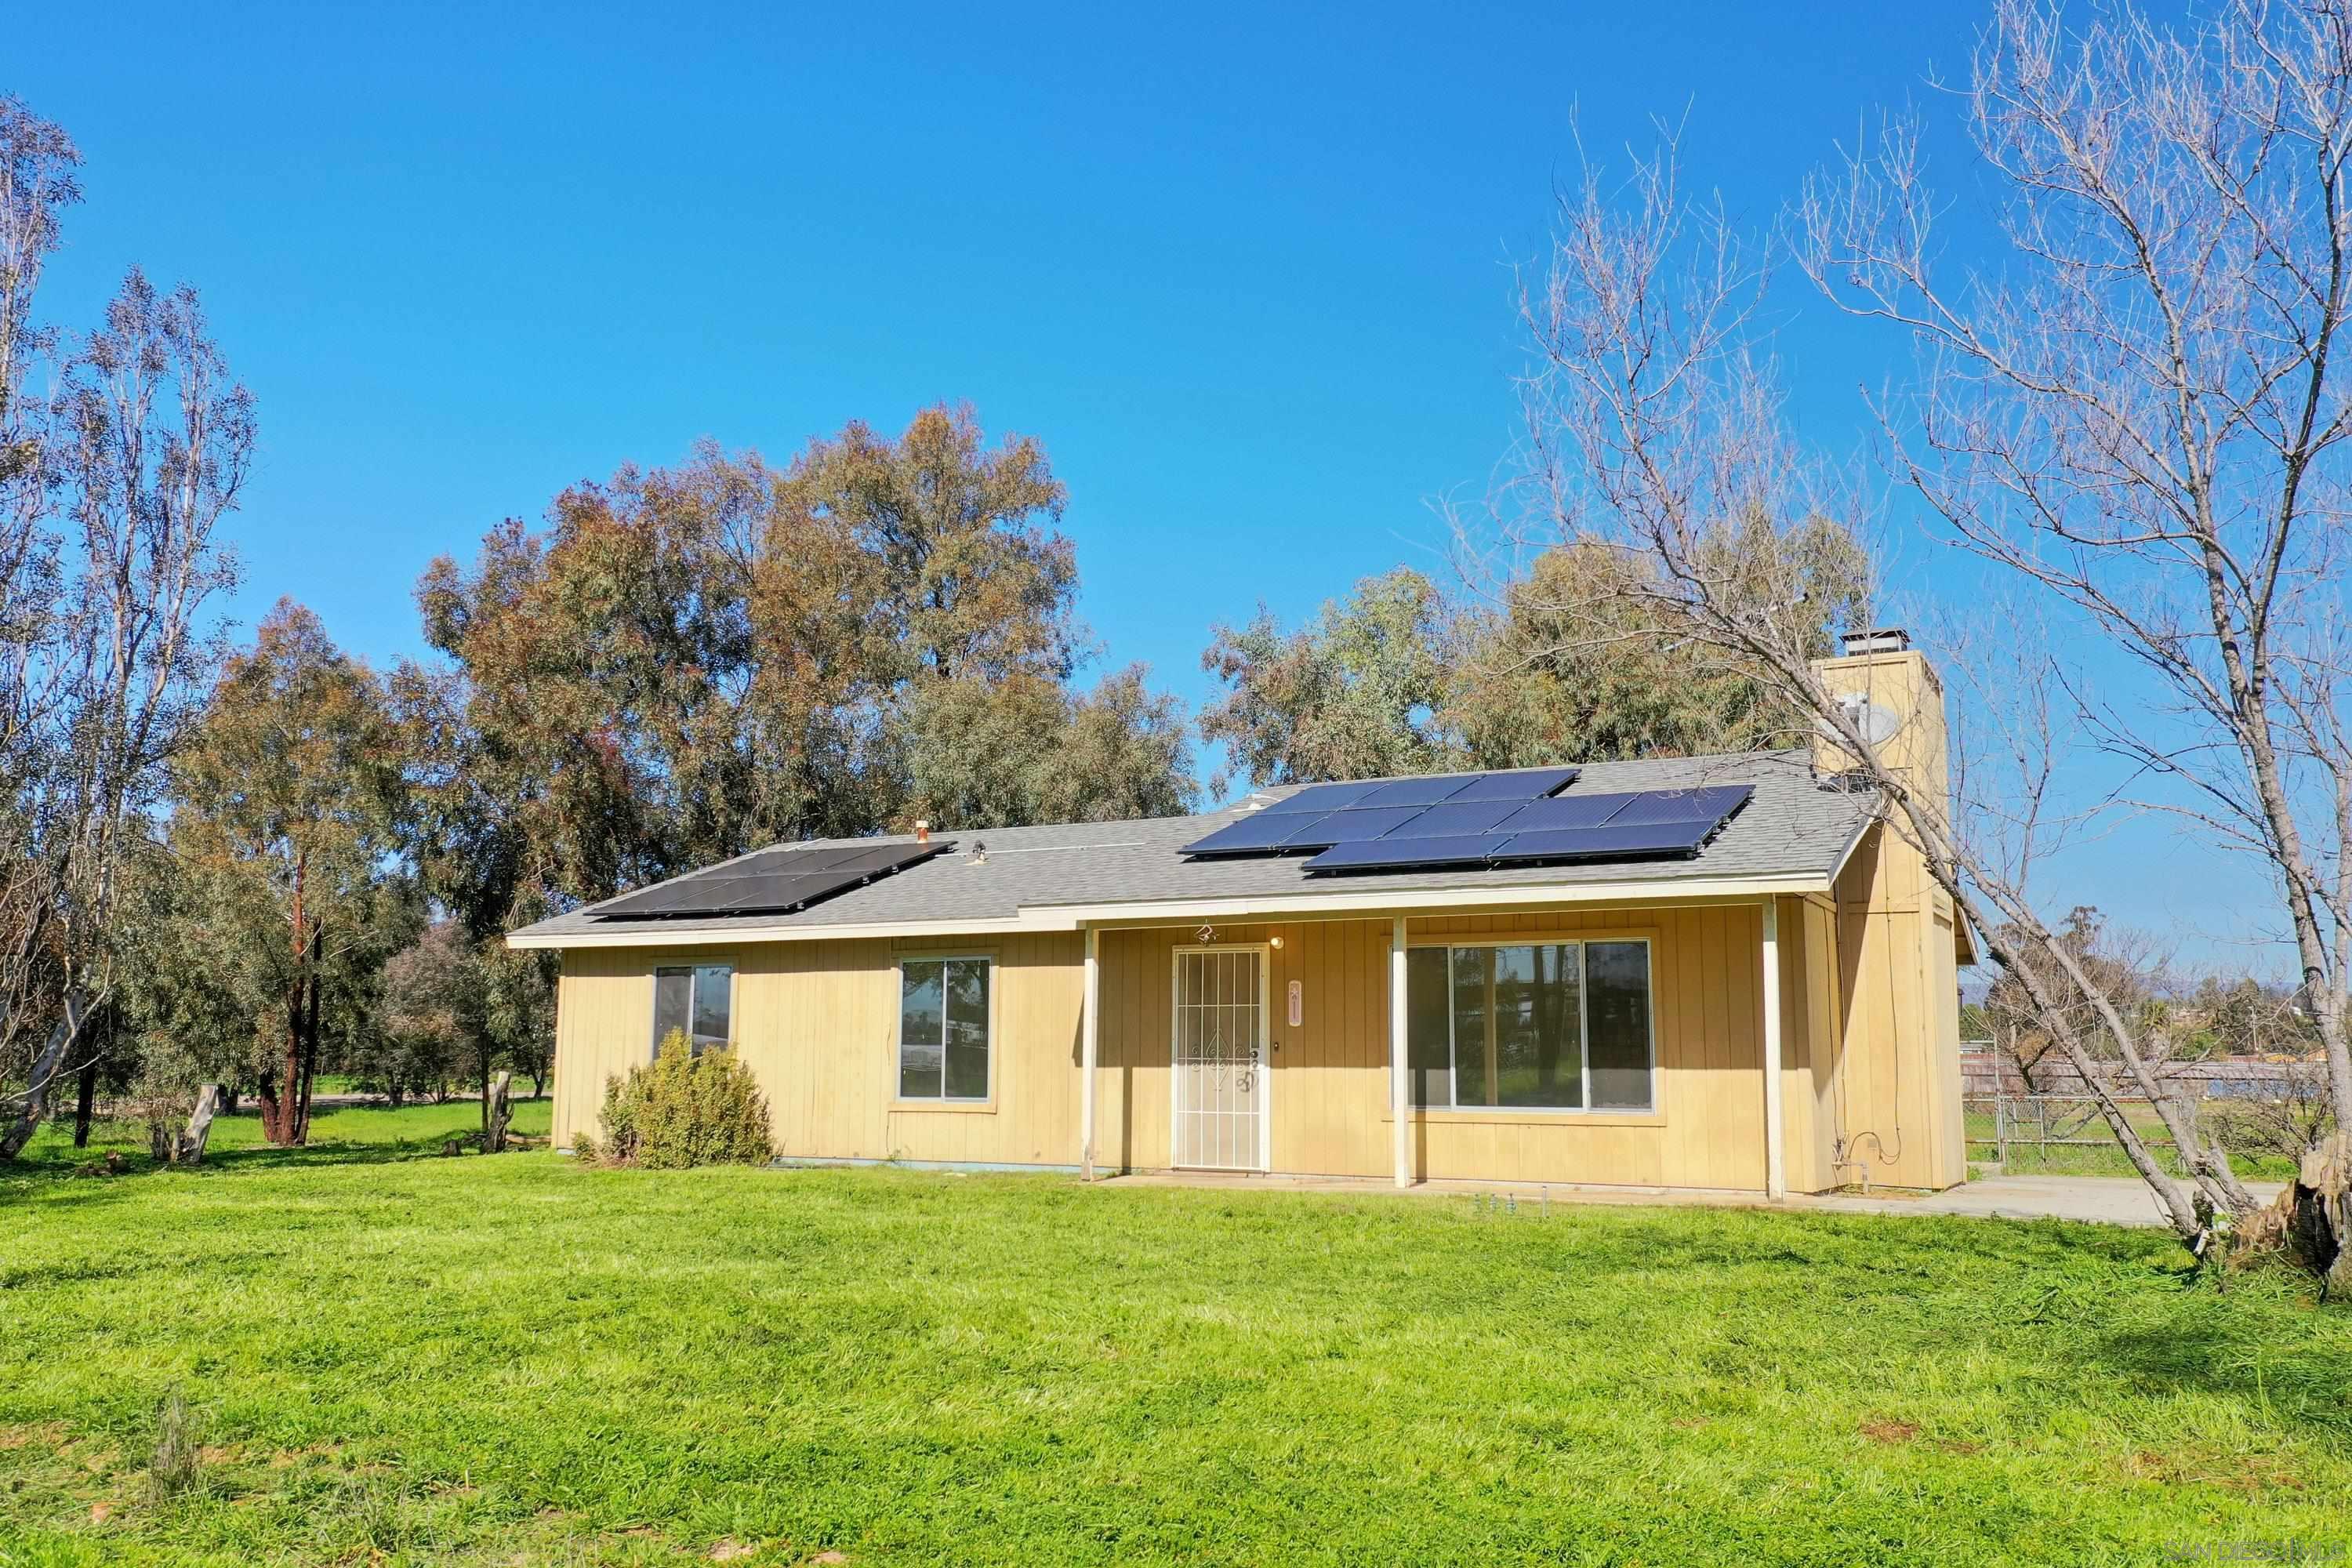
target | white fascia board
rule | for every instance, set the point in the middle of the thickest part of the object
(1173, 912)
(732, 936)
(1441, 900)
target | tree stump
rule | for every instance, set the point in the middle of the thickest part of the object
(496, 1112)
(2321, 1229)
(190, 1150)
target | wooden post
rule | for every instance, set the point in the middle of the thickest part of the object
(1775, 1170)
(1398, 1109)
(1089, 1054)
(2001, 1128)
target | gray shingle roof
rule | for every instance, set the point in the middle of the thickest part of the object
(1792, 828)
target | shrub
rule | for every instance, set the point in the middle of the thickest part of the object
(682, 1111)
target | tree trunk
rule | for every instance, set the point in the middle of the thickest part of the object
(496, 1114)
(191, 1148)
(278, 1122)
(44, 1072)
(310, 1039)
(85, 1103)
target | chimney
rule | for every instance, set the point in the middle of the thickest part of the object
(1893, 696)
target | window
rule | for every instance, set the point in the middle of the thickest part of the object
(943, 1028)
(699, 1000)
(1558, 1026)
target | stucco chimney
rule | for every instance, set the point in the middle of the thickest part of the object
(1896, 701)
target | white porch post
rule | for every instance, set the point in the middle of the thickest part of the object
(1089, 1052)
(1397, 1095)
(1776, 1169)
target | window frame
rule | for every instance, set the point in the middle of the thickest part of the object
(1646, 938)
(942, 1100)
(692, 969)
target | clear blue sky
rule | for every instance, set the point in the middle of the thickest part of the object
(1245, 273)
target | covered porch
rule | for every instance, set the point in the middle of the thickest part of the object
(1682, 1044)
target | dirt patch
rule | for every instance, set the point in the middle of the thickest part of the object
(1889, 1431)
(51, 1434)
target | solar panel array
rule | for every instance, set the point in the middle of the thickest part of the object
(773, 882)
(1476, 819)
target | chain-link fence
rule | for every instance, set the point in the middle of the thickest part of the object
(2054, 1132)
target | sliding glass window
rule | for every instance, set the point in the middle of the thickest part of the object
(1530, 1026)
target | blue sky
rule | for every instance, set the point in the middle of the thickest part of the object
(1245, 273)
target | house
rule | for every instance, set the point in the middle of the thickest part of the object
(1710, 973)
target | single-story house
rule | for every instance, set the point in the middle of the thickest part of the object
(1710, 973)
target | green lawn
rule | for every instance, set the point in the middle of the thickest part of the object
(398, 1357)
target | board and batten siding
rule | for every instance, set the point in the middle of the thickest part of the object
(817, 1024)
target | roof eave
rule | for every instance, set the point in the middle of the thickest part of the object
(1166, 911)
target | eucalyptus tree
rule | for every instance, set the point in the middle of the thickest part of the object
(117, 478)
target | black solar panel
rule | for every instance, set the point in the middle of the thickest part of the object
(1569, 811)
(1452, 819)
(1259, 833)
(773, 881)
(1418, 791)
(1455, 818)
(1526, 784)
(1608, 843)
(1712, 804)
(1396, 854)
(1355, 823)
(1323, 797)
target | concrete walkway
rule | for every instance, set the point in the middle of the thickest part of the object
(2105, 1200)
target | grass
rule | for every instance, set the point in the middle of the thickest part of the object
(387, 1357)
(2091, 1149)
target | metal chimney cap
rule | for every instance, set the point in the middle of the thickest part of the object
(1883, 639)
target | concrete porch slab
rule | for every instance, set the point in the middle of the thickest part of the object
(2103, 1200)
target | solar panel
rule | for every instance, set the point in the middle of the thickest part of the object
(1323, 797)
(1259, 833)
(1608, 843)
(1525, 784)
(1355, 823)
(1710, 803)
(1418, 791)
(1398, 854)
(1569, 811)
(772, 881)
(1454, 817)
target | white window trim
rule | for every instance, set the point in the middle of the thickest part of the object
(899, 1094)
(1583, 1022)
(691, 966)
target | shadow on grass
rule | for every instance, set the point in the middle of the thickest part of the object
(54, 1160)
(2301, 1378)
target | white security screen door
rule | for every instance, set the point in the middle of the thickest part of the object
(1220, 1070)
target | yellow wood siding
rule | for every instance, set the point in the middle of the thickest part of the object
(1897, 1094)
(817, 1022)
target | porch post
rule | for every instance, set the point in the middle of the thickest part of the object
(1397, 1095)
(1776, 1172)
(1089, 1052)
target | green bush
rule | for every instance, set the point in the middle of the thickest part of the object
(682, 1111)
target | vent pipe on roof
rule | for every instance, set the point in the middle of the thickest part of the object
(922, 830)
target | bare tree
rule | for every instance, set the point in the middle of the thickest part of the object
(145, 447)
(1653, 423)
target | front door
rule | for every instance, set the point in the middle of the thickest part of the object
(1220, 1072)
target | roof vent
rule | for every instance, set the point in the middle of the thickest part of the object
(978, 852)
(1885, 639)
